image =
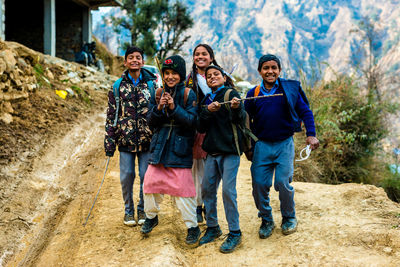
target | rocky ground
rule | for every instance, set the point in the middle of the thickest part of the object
(52, 163)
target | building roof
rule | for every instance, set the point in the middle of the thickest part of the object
(94, 4)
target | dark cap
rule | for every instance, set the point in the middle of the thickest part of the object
(175, 63)
(266, 58)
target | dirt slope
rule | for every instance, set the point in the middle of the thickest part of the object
(52, 163)
(340, 225)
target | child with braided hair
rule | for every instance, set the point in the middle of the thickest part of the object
(203, 56)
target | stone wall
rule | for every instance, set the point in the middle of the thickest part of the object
(24, 71)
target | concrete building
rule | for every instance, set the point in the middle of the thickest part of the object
(55, 27)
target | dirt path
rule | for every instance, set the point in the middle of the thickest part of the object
(344, 225)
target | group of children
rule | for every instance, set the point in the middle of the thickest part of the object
(186, 142)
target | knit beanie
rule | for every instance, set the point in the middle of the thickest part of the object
(175, 63)
(266, 58)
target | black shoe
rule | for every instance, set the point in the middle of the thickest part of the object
(199, 212)
(289, 225)
(193, 235)
(266, 229)
(231, 243)
(211, 234)
(149, 224)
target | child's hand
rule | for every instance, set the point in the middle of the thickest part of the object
(170, 101)
(214, 106)
(235, 102)
(163, 101)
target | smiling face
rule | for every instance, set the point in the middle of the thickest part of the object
(215, 79)
(134, 62)
(201, 58)
(269, 72)
(171, 78)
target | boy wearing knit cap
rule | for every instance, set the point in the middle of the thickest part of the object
(274, 120)
(172, 117)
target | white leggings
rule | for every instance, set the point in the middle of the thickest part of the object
(186, 206)
(198, 174)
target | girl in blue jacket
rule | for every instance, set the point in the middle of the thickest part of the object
(172, 118)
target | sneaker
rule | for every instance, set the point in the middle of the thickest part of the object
(266, 229)
(289, 225)
(231, 243)
(148, 225)
(211, 234)
(141, 216)
(129, 220)
(199, 212)
(193, 235)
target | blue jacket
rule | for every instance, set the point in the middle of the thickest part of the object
(277, 118)
(173, 132)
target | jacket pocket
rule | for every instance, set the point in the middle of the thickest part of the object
(183, 145)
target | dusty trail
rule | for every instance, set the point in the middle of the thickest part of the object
(345, 225)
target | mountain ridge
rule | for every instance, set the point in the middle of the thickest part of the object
(306, 35)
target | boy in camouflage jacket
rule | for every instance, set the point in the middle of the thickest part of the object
(131, 133)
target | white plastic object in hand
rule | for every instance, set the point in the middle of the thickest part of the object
(307, 149)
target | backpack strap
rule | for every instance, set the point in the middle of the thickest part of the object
(257, 91)
(158, 95)
(151, 86)
(234, 129)
(186, 95)
(116, 86)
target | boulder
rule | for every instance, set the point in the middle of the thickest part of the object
(9, 58)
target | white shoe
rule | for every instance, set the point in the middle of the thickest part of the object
(141, 217)
(129, 220)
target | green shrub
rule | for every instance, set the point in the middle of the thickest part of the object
(391, 184)
(350, 125)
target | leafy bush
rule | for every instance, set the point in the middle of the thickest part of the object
(350, 124)
(391, 184)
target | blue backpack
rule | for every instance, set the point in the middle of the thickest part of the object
(116, 85)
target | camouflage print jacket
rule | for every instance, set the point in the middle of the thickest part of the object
(132, 133)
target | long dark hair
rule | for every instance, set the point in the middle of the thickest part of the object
(194, 67)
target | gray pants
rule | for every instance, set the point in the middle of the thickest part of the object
(127, 178)
(217, 168)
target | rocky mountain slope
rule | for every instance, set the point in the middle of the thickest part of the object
(303, 33)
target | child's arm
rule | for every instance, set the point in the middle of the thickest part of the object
(109, 139)
(204, 119)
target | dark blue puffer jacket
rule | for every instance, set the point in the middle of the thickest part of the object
(173, 132)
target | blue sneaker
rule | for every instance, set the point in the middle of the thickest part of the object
(266, 229)
(211, 234)
(148, 225)
(231, 243)
(289, 225)
(193, 235)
